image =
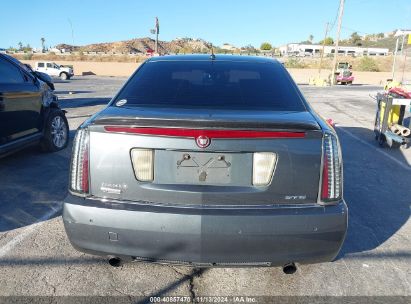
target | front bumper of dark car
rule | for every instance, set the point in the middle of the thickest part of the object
(271, 236)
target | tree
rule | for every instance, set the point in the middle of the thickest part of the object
(249, 48)
(20, 44)
(265, 46)
(311, 38)
(27, 48)
(42, 44)
(355, 39)
(327, 41)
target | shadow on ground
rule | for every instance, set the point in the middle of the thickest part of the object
(34, 183)
(376, 189)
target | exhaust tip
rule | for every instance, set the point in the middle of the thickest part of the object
(114, 261)
(289, 268)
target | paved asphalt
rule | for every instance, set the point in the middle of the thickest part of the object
(36, 258)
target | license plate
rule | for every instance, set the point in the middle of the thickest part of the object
(203, 168)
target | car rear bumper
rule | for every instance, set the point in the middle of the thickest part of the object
(269, 236)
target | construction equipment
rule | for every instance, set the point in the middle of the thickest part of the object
(392, 120)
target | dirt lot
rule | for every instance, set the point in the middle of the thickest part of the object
(36, 258)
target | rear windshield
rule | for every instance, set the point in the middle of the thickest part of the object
(212, 84)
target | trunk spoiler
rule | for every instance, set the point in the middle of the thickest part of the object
(206, 124)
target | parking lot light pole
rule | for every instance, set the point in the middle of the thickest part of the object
(340, 15)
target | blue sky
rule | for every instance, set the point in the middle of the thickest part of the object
(238, 22)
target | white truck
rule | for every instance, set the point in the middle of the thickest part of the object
(54, 69)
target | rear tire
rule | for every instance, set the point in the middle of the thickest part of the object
(64, 76)
(56, 132)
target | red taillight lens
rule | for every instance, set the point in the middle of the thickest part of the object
(331, 184)
(79, 173)
(325, 187)
(84, 171)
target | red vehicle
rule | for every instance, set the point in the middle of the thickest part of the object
(344, 75)
(150, 52)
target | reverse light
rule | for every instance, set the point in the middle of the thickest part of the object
(263, 168)
(79, 173)
(143, 164)
(331, 183)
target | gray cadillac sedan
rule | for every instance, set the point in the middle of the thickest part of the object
(207, 161)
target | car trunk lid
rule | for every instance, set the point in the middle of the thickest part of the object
(217, 174)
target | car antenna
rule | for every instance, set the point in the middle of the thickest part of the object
(212, 56)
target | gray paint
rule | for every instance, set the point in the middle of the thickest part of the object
(297, 172)
(305, 235)
(204, 224)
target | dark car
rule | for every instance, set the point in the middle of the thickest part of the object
(208, 161)
(29, 112)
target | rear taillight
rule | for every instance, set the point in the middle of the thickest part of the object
(331, 178)
(79, 174)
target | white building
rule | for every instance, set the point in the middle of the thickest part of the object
(228, 47)
(302, 50)
(56, 50)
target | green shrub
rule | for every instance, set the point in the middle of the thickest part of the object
(294, 63)
(28, 56)
(368, 64)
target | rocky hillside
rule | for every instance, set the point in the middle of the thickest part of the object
(142, 45)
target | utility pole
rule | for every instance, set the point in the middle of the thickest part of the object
(394, 60)
(402, 43)
(322, 51)
(157, 32)
(340, 15)
(72, 32)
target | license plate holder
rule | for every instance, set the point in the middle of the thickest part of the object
(203, 168)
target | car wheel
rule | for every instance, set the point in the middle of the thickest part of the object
(64, 76)
(56, 133)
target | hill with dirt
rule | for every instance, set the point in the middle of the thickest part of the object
(142, 45)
